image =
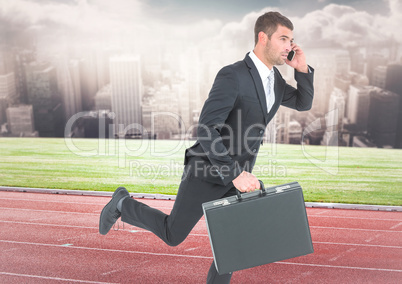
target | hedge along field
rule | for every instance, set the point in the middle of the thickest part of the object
(326, 174)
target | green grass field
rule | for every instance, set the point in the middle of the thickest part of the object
(326, 174)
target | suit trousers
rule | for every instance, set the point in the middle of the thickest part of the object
(187, 211)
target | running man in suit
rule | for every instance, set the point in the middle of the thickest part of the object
(243, 99)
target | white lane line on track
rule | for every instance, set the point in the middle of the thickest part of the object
(201, 257)
(322, 212)
(206, 235)
(70, 202)
(359, 245)
(51, 225)
(77, 237)
(354, 218)
(314, 242)
(342, 254)
(108, 250)
(373, 238)
(48, 211)
(354, 229)
(339, 266)
(169, 208)
(51, 201)
(396, 226)
(61, 212)
(83, 227)
(51, 278)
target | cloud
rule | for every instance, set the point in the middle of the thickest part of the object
(344, 26)
(236, 38)
(80, 20)
(334, 26)
(392, 24)
(101, 19)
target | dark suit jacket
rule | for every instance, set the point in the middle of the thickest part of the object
(234, 118)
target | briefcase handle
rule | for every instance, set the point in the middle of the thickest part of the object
(262, 187)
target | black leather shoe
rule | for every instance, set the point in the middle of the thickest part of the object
(110, 213)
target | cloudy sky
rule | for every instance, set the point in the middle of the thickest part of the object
(320, 23)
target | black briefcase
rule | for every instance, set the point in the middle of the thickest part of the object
(257, 228)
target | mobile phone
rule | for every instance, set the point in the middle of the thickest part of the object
(291, 55)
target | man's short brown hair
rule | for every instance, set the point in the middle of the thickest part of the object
(268, 23)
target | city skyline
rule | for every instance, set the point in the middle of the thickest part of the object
(183, 45)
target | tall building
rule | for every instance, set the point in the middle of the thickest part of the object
(374, 60)
(359, 79)
(126, 82)
(378, 76)
(88, 81)
(343, 81)
(382, 122)
(102, 68)
(334, 118)
(12, 60)
(7, 93)
(181, 93)
(7, 83)
(20, 120)
(7, 86)
(68, 83)
(44, 97)
(342, 62)
(161, 113)
(357, 61)
(94, 74)
(393, 83)
(147, 118)
(3, 107)
(6, 62)
(358, 106)
(198, 82)
(281, 126)
(21, 59)
(324, 62)
(337, 102)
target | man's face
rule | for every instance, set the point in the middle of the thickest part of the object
(278, 47)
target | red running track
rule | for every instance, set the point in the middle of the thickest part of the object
(49, 238)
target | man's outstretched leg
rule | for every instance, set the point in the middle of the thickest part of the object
(186, 212)
(173, 228)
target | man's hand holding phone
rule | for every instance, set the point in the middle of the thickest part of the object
(297, 59)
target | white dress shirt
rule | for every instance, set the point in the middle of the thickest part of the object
(264, 72)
